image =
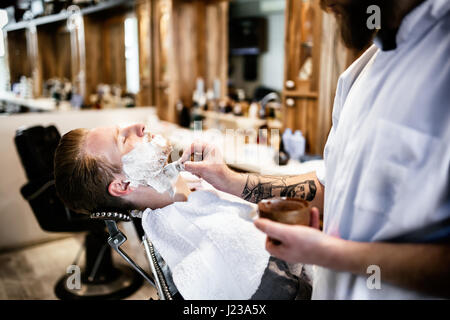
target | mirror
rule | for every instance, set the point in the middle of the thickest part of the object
(256, 48)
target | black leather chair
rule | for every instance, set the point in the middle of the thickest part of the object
(100, 279)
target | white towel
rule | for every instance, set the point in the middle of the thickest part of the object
(212, 251)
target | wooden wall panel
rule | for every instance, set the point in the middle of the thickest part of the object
(144, 12)
(94, 74)
(163, 53)
(19, 64)
(293, 39)
(105, 51)
(54, 52)
(65, 55)
(113, 36)
(217, 45)
(186, 46)
(194, 44)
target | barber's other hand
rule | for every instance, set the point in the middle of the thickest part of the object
(208, 164)
(299, 244)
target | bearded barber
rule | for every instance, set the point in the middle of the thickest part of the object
(385, 195)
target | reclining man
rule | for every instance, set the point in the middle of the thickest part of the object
(90, 177)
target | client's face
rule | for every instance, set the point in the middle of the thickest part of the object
(114, 142)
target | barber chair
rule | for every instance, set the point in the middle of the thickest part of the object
(160, 278)
(100, 279)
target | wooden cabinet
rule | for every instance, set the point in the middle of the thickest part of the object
(189, 41)
(302, 67)
(179, 41)
(314, 59)
(87, 51)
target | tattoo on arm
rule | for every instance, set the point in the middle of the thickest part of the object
(260, 187)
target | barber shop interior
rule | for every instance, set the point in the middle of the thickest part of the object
(225, 150)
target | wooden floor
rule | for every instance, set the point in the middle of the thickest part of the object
(32, 273)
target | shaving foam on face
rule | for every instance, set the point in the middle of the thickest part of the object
(144, 164)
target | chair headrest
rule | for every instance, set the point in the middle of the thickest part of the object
(116, 216)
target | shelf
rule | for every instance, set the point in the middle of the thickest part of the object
(300, 94)
(43, 104)
(232, 121)
(64, 15)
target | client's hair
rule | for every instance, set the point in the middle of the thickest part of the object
(82, 180)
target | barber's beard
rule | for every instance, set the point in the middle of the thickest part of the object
(353, 22)
(143, 165)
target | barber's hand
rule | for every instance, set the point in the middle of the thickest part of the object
(299, 244)
(208, 164)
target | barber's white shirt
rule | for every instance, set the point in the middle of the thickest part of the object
(387, 157)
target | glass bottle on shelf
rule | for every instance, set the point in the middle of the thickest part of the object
(184, 116)
(253, 111)
(240, 106)
(281, 155)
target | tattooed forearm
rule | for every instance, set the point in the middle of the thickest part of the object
(260, 187)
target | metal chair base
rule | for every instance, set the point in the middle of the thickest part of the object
(124, 283)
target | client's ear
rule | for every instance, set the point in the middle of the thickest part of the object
(119, 188)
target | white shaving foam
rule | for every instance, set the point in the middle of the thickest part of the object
(143, 165)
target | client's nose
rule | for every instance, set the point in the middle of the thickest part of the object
(139, 129)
